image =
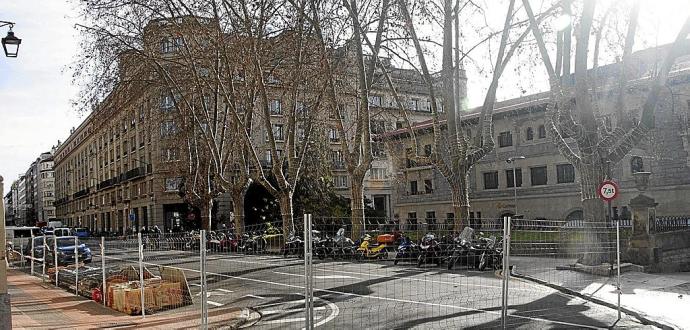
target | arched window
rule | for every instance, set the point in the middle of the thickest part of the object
(529, 134)
(542, 131)
(636, 164)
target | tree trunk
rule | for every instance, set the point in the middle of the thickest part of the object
(594, 214)
(286, 213)
(206, 210)
(461, 202)
(238, 213)
(357, 206)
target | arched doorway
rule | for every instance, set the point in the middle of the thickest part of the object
(574, 219)
(260, 207)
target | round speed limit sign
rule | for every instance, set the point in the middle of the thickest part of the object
(608, 190)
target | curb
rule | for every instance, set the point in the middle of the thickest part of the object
(638, 315)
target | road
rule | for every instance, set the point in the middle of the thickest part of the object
(371, 295)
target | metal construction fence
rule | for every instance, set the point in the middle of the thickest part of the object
(501, 273)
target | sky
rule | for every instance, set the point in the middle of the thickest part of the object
(34, 92)
(36, 89)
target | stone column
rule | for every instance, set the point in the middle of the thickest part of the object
(641, 246)
(5, 307)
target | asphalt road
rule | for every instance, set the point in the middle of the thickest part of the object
(372, 295)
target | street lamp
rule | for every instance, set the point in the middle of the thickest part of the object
(10, 43)
(511, 161)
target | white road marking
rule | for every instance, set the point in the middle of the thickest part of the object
(281, 321)
(320, 277)
(253, 296)
(283, 311)
(195, 284)
(226, 291)
(214, 303)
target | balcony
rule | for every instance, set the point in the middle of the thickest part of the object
(81, 193)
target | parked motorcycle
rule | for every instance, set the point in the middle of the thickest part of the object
(213, 241)
(407, 250)
(429, 251)
(492, 254)
(371, 250)
(343, 246)
(293, 246)
(463, 251)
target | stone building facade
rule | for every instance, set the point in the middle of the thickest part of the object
(547, 185)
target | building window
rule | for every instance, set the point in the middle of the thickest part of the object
(529, 134)
(378, 127)
(333, 135)
(505, 139)
(412, 217)
(414, 104)
(173, 184)
(375, 100)
(278, 132)
(378, 149)
(170, 154)
(167, 45)
(276, 107)
(636, 164)
(427, 150)
(565, 173)
(413, 188)
(340, 181)
(168, 128)
(428, 186)
(268, 157)
(510, 180)
(431, 220)
(491, 180)
(538, 176)
(542, 132)
(377, 173)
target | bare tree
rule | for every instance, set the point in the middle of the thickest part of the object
(454, 152)
(223, 62)
(598, 148)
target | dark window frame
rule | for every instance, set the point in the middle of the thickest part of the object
(565, 173)
(509, 177)
(490, 180)
(534, 173)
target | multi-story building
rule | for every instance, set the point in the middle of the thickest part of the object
(45, 188)
(21, 205)
(546, 184)
(8, 201)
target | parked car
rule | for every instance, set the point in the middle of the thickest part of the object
(82, 232)
(65, 250)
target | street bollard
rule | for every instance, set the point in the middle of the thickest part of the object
(32, 254)
(44, 259)
(506, 271)
(55, 255)
(104, 292)
(204, 288)
(618, 262)
(308, 291)
(141, 276)
(76, 265)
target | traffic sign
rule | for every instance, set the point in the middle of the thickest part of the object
(608, 190)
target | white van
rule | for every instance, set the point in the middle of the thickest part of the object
(21, 235)
(59, 232)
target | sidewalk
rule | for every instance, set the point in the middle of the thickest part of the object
(36, 305)
(661, 297)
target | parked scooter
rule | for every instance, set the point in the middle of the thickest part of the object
(371, 250)
(429, 251)
(492, 254)
(407, 250)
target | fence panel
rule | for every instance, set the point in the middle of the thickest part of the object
(577, 255)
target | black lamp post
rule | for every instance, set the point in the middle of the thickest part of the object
(10, 43)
